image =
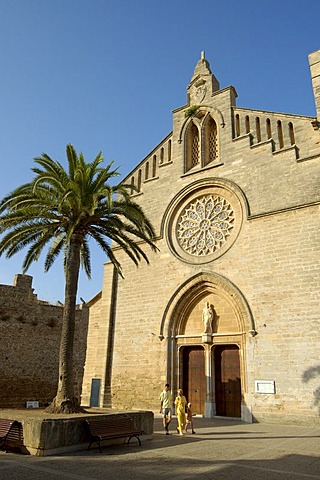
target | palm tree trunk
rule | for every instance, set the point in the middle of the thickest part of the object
(65, 401)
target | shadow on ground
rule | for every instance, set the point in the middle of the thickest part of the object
(219, 450)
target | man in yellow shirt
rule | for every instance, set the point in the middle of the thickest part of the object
(165, 407)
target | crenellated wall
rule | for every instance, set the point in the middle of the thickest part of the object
(29, 346)
(236, 214)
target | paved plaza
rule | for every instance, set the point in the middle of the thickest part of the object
(220, 449)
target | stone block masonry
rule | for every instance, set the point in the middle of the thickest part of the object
(29, 347)
(233, 194)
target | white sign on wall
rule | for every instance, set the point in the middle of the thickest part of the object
(32, 404)
(265, 386)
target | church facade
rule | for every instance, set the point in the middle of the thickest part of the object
(228, 308)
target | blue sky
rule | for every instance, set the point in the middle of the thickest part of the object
(105, 75)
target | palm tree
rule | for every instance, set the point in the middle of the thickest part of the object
(64, 209)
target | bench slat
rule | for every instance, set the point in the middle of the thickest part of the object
(111, 427)
(5, 426)
(10, 433)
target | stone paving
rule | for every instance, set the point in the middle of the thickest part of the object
(220, 449)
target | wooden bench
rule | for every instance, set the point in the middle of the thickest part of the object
(10, 433)
(107, 428)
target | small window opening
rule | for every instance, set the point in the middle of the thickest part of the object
(258, 129)
(280, 134)
(268, 128)
(291, 134)
(247, 121)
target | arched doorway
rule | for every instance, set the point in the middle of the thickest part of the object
(210, 365)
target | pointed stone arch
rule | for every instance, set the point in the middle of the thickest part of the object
(192, 145)
(196, 288)
(185, 309)
(210, 141)
(199, 114)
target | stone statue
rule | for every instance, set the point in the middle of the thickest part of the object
(207, 318)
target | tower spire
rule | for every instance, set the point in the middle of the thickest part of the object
(203, 82)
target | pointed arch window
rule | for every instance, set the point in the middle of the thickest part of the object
(193, 146)
(210, 136)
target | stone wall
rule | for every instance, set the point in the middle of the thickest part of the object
(266, 278)
(29, 346)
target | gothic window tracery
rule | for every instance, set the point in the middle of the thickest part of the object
(205, 225)
(202, 145)
(195, 150)
(210, 134)
(193, 147)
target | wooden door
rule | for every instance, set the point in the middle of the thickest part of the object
(194, 380)
(227, 381)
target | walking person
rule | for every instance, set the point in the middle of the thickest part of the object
(189, 419)
(180, 403)
(165, 407)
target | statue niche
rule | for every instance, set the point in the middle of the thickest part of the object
(207, 318)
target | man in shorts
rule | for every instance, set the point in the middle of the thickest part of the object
(165, 407)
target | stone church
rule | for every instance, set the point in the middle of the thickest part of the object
(228, 308)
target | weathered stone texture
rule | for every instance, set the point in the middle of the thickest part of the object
(263, 284)
(29, 347)
(314, 62)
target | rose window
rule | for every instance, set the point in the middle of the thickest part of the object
(205, 224)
